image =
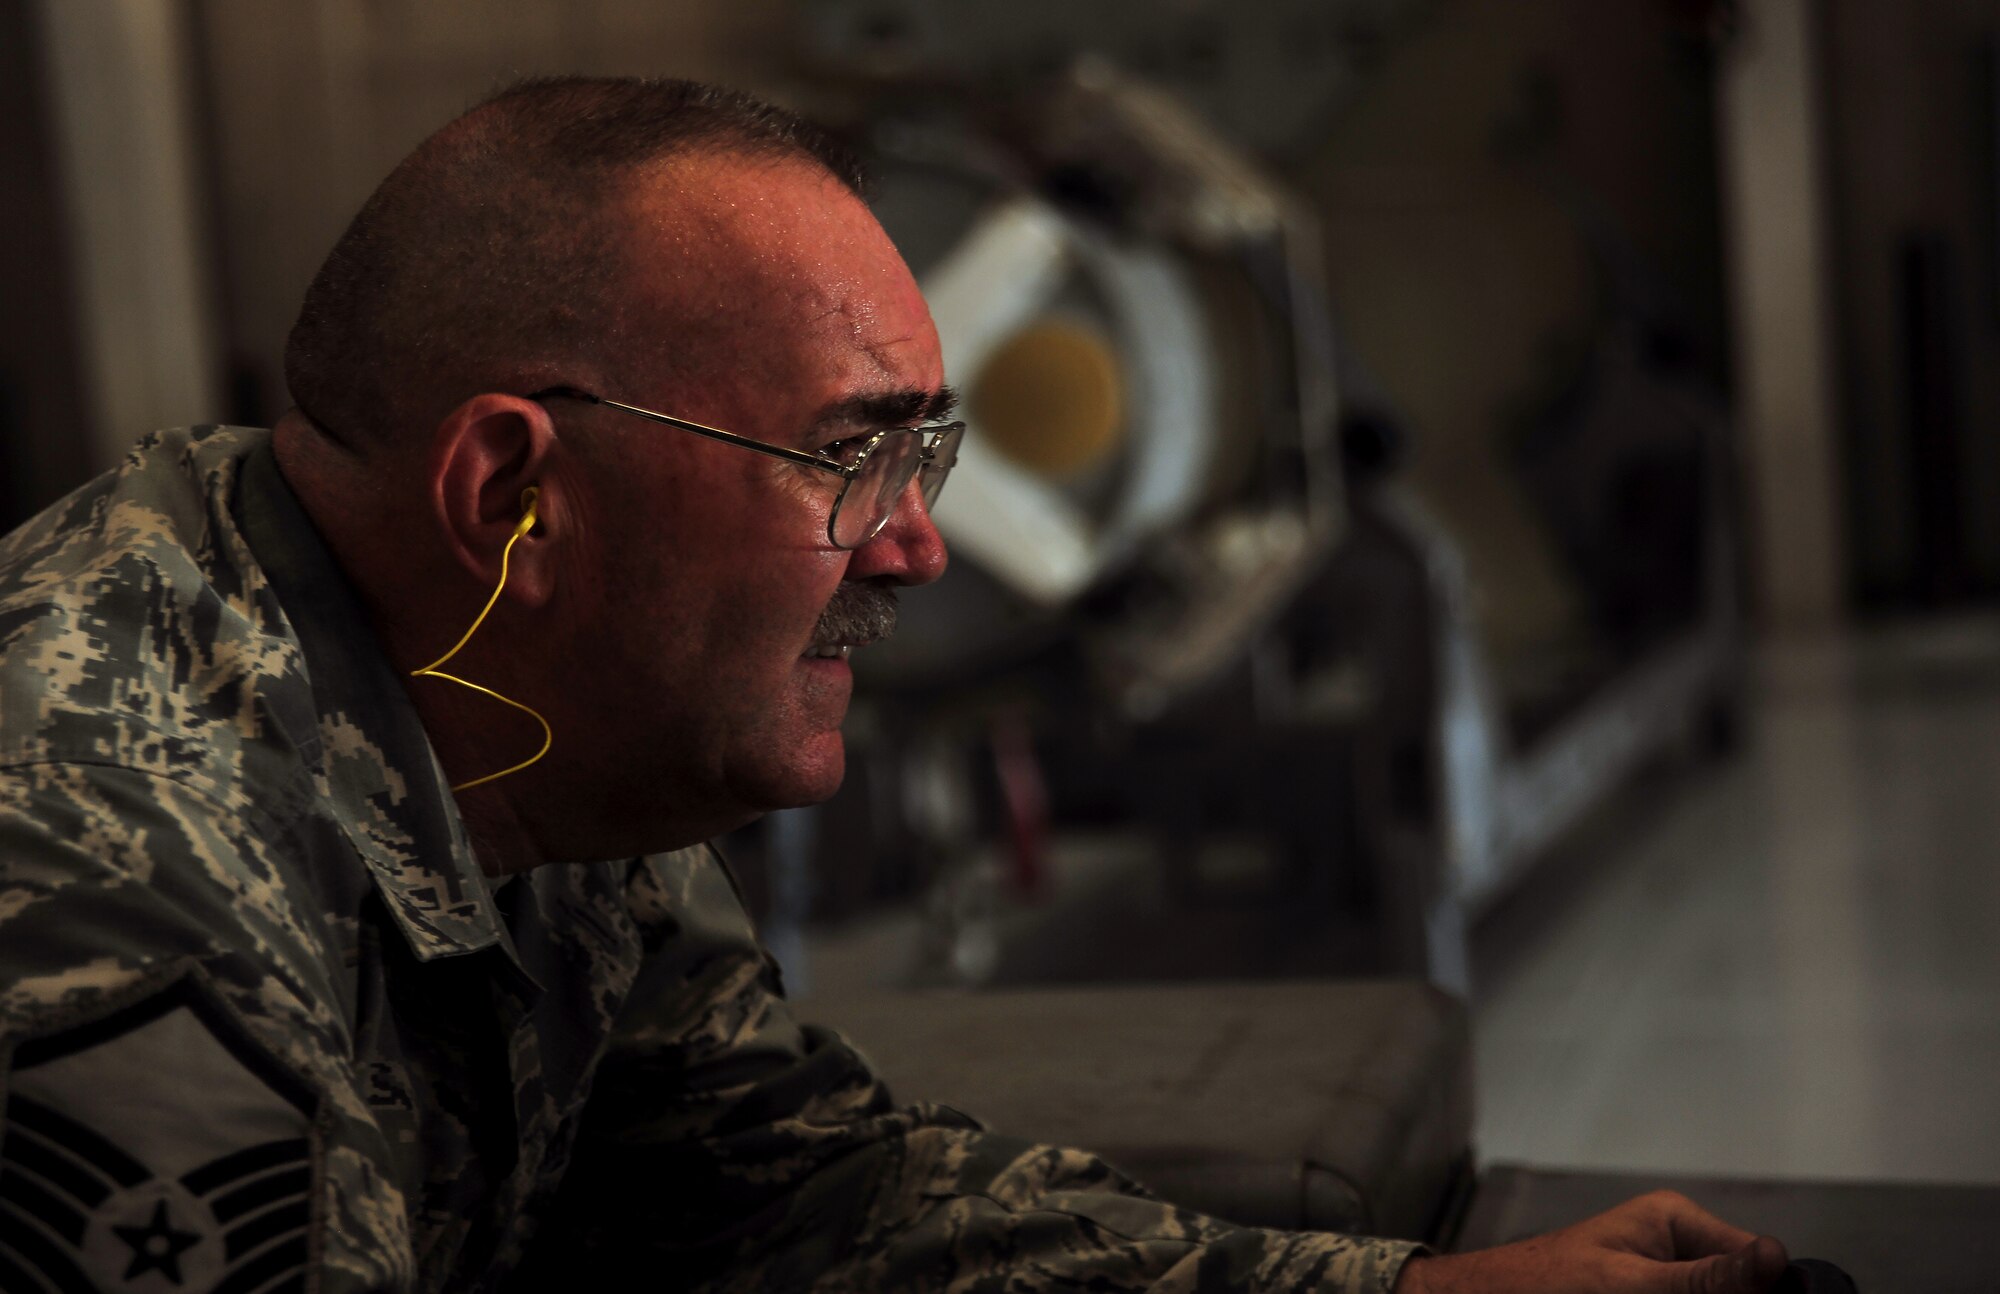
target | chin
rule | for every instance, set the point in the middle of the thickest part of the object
(811, 774)
(822, 782)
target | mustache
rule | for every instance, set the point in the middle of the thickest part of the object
(856, 614)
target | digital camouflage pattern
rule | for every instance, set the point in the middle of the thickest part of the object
(243, 939)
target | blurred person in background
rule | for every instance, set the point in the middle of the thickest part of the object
(324, 961)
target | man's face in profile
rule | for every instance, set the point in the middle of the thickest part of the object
(710, 570)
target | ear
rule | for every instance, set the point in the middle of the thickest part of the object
(485, 455)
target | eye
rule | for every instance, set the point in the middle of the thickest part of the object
(844, 452)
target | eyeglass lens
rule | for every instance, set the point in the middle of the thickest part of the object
(870, 500)
(872, 495)
(944, 454)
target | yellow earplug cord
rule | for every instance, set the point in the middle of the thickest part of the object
(527, 523)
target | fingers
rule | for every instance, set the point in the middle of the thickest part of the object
(1754, 1269)
(1696, 1232)
(1768, 1260)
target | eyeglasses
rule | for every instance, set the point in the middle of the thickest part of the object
(882, 464)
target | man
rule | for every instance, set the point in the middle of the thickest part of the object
(319, 970)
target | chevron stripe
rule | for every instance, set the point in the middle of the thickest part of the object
(33, 1251)
(24, 1193)
(78, 1140)
(215, 1175)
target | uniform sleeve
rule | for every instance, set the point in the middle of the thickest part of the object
(726, 1147)
(177, 1112)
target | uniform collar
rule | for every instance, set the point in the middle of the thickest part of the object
(373, 763)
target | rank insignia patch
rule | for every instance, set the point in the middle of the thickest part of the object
(155, 1150)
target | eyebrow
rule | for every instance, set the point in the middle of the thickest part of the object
(892, 409)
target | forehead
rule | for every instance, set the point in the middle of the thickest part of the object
(773, 263)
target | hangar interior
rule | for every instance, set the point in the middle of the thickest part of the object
(1470, 678)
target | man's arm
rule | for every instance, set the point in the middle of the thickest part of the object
(731, 1148)
(1656, 1244)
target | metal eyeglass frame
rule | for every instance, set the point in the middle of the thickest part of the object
(936, 454)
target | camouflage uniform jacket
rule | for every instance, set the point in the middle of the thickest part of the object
(265, 1026)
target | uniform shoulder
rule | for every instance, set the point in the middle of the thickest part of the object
(135, 627)
(110, 875)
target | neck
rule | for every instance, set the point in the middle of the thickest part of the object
(337, 489)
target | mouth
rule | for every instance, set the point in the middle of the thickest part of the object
(831, 651)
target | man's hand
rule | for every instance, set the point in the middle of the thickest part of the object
(1657, 1244)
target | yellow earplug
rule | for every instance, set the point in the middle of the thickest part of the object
(526, 524)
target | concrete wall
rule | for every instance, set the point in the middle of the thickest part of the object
(1911, 115)
(119, 128)
(1776, 215)
(45, 432)
(1451, 193)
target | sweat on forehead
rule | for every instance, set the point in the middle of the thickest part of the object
(724, 249)
(782, 225)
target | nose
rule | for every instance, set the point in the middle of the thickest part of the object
(907, 550)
